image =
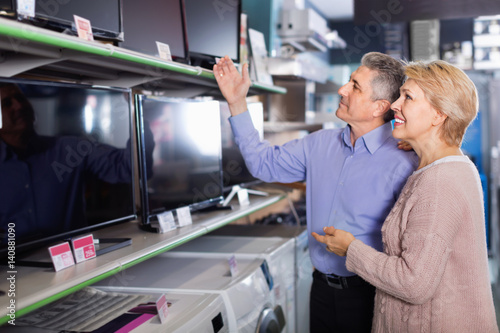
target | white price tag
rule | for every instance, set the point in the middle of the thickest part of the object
(61, 256)
(233, 265)
(164, 51)
(184, 216)
(26, 7)
(166, 221)
(243, 197)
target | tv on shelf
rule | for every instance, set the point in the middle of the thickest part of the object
(66, 161)
(105, 16)
(186, 160)
(213, 29)
(165, 23)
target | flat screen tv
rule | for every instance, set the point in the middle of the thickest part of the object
(104, 16)
(165, 22)
(186, 160)
(234, 168)
(66, 164)
(213, 29)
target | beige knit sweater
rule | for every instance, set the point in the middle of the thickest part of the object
(433, 274)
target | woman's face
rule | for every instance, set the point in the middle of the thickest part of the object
(414, 116)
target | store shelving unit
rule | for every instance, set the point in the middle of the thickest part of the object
(36, 287)
(32, 52)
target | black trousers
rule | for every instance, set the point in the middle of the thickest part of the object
(340, 310)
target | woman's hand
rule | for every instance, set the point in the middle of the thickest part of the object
(233, 85)
(337, 241)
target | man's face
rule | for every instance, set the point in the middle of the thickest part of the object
(17, 112)
(356, 105)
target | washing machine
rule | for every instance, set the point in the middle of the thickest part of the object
(303, 265)
(278, 253)
(247, 293)
(187, 312)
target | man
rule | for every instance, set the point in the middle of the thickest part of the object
(354, 176)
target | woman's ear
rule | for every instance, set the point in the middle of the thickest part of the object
(382, 106)
(438, 118)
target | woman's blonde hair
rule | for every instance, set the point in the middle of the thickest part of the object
(450, 91)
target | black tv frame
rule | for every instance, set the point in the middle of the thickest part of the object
(24, 248)
(147, 215)
(206, 60)
(182, 59)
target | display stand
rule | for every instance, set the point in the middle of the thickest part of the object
(238, 190)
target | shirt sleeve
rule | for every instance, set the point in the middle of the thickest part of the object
(269, 163)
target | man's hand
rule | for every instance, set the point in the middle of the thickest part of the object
(403, 145)
(234, 87)
(337, 241)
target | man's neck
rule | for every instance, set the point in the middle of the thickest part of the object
(359, 131)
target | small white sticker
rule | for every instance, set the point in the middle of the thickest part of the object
(166, 221)
(26, 8)
(184, 216)
(243, 197)
(233, 265)
(164, 51)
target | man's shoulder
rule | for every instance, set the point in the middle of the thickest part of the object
(390, 148)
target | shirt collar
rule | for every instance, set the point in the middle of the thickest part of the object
(372, 140)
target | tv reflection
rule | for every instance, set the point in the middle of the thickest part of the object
(47, 180)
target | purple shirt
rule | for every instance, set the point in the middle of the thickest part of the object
(350, 188)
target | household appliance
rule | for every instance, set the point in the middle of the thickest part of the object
(246, 293)
(105, 16)
(187, 312)
(303, 266)
(184, 169)
(213, 29)
(166, 23)
(72, 171)
(278, 253)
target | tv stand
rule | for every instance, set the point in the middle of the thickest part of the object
(236, 189)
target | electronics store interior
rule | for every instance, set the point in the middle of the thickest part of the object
(153, 221)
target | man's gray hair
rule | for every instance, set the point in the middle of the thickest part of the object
(389, 78)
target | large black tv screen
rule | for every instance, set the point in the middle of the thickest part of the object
(164, 23)
(186, 159)
(213, 29)
(65, 160)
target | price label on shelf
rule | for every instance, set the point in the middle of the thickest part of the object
(184, 216)
(26, 7)
(233, 265)
(83, 28)
(83, 248)
(61, 256)
(164, 51)
(166, 221)
(162, 308)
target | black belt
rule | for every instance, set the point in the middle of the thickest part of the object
(340, 282)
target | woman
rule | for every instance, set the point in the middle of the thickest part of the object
(433, 274)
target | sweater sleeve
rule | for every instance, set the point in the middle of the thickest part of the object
(424, 238)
